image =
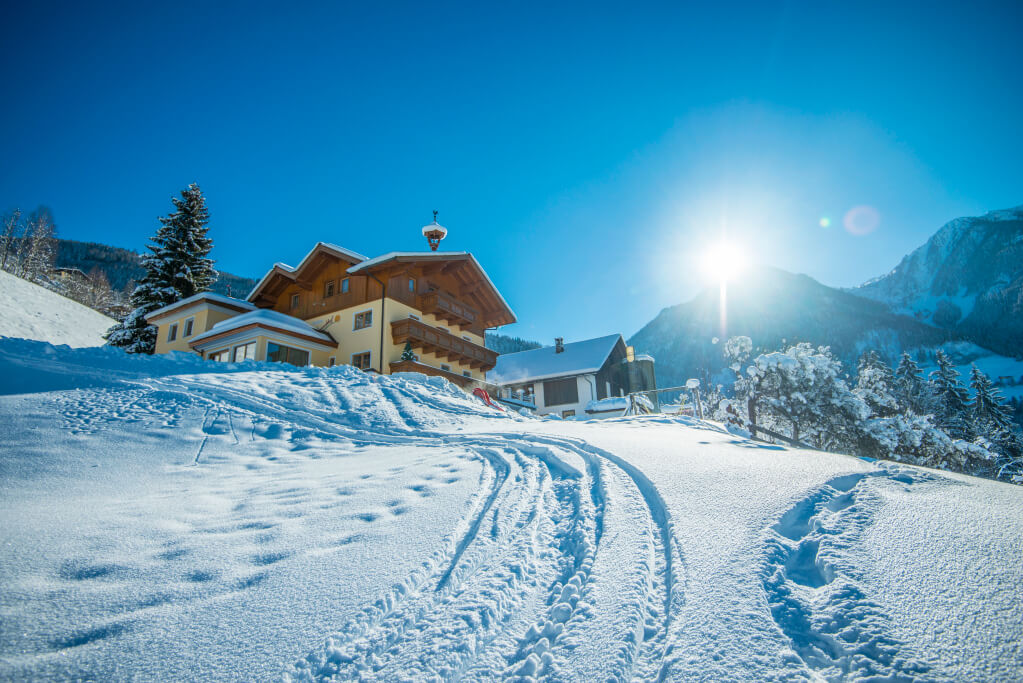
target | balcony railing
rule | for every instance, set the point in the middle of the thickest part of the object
(443, 344)
(448, 308)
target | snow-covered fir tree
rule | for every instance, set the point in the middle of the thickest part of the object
(952, 399)
(177, 267)
(407, 353)
(875, 384)
(993, 424)
(911, 388)
(802, 391)
(988, 405)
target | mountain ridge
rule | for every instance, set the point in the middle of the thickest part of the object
(123, 266)
(968, 276)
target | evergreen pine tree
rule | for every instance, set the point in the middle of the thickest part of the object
(910, 386)
(408, 353)
(988, 407)
(176, 268)
(875, 384)
(951, 396)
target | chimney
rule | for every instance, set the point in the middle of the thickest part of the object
(559, 344)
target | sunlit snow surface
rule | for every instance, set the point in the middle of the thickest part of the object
(169, 519)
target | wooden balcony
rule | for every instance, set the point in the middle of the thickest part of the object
(449, 309)
(443, 344)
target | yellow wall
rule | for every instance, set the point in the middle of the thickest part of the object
(351, 341)
(368, 339)
(205, 317)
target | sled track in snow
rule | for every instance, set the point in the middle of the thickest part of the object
(515, 591)
(564, 566)
(814, 592)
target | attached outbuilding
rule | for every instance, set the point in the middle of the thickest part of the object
(565, 378)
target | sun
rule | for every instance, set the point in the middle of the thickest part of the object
(723, 262)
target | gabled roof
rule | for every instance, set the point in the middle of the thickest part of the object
(220, 299)
(266, 319)
(578, 358)
(292, 273)
(505, 316)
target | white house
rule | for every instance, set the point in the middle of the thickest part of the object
(565, 378)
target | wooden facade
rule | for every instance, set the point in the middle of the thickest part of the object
(440, 303)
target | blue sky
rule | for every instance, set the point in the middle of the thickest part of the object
(587, 154)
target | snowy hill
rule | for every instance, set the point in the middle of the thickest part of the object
(29, 311)
(770, 305)
(967, 277)
(173, 519)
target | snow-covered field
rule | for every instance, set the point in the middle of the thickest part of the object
(170, 519)
(29, 311)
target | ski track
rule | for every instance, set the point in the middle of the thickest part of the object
(513, 592)
(814, 593)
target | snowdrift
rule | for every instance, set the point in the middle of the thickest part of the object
(29, 311)
(168, 518)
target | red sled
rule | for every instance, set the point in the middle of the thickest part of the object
(482, 394)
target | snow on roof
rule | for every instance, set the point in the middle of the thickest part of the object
(202, 296)
(431, 256)
(266, 318)
(392, 255)
(353, 255)
(529, 366)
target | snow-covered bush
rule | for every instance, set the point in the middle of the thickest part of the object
(801, 391)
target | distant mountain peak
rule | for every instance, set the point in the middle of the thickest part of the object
(968, 276)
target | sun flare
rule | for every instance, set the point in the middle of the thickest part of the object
(723, 262)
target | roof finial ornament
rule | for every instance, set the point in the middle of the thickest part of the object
(434, 232)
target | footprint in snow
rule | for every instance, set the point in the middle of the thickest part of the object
(201, 576)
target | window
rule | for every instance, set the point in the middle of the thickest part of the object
(344, 286)
(294, 301)
(560, 392)
(328, 289)
(361, 360)
(285, 354)
(245, 352)
(332, 361)
(363, 320)
(412, 285)
(172, 332)
(189, 324)
(221, 356)
(567, 413)
(466, 373)
(445, 366)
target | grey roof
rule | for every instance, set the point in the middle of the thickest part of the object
(578, 358)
